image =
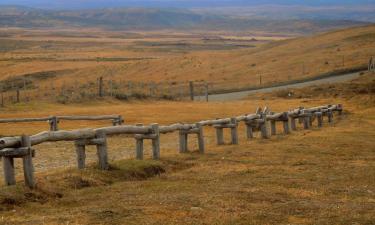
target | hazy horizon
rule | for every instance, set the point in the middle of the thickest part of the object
(82, 4)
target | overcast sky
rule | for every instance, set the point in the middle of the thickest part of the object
(173, 3)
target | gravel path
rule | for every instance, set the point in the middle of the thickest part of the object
(242, 94)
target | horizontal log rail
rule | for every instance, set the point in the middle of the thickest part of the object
(55, 120)
(25, 120)
(20, 147)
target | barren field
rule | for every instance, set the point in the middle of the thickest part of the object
(54, 65)
(317, 176)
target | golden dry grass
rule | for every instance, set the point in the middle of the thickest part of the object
(319, 176)
(73, 59)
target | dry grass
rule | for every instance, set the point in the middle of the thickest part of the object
(183, 57)
(320, 176)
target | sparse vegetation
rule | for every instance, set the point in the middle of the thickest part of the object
(316, 176)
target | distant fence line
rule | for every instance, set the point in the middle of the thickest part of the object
(55, 120)
(371, 64)
(28, 89)
(262, 120)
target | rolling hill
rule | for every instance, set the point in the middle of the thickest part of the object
(227, 62)
(156, 18)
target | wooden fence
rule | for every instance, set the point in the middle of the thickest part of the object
(55, 120)
(371, 64)
(262, 120)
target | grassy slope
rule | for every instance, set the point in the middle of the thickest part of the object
(74, 59)
(320, 176)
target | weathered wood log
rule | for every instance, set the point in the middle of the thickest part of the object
(93, 141)
(330, 116)
(125, 129)
(139, 146)
(317, 109)
(233, 131)
(53, 123)
(191, 89)
(200, 138)
(118, 121)
(247, 117)
(219, 136)
(306, 122)
(319, 116)
(191, 131)
(8, 167)
(286, 127)
(21, 120)
(266, 110)
(54, 136)
(16, 152)
(229, 125)
(10, 142)
(104, 117)
(27, 160)
(215, 122)
(175, 127)
(102, 151)
(249, 131)
(278, 116)
(264, 126)
(155, 141)
(183, 139)
(81, 154)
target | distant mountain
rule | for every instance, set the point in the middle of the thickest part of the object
(154, 18)
(85, 4)
(276, 12)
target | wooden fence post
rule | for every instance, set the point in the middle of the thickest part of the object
(102, 150)
(306, 122)
(206, 91)
(118, 121)
(330, 116)
(234, 132)
(18, 96)
(100, 87)
(286, 125)
(139, 146)
(53, 122)
(219, 136)
(2, 99)
(319, 117)
(249, 130)
(200, 137)
(191, 87)
(81, 154)
(8, 167)
(155, 141)
(183, 140)
(264, 126)
(27, 160)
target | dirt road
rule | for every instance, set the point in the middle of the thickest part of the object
(242, 94)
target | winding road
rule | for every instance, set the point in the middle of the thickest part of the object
(243, 94)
